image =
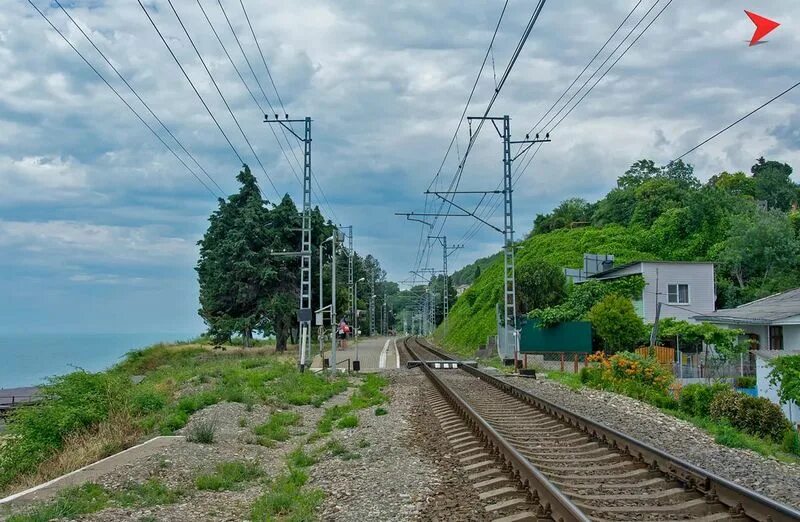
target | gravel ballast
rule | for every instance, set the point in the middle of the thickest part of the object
(648, 424)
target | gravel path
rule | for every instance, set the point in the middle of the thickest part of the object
(768, 476)
(389, 479)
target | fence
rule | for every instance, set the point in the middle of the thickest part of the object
(570, 362)
(697, 367)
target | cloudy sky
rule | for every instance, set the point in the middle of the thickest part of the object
(98, 221)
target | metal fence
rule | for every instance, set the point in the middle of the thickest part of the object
(698, 367)
(694, 366)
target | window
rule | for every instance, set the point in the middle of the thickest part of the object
(678, 294)
(776, 337)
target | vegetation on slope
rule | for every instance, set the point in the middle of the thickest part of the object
(84, 417)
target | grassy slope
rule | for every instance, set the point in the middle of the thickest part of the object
(472, 319)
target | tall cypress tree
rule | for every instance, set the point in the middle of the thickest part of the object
(235, 271)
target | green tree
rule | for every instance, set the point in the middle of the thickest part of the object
(759, 245)
(738, 183)
(234, 271)
(539, 285)
(681, 173)
(641, 171)
(616, 208)
(615, 322)
(785, 375)
(478, 272)
(565, 215)
(773, 184)
(654, 197)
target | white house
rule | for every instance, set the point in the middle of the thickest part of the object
(684, 289)
(766, 389)
(771, 323)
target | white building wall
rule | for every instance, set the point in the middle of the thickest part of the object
(765, 389)
(699, 277)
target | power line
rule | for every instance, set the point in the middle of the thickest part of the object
(146, 106)
(509, 67)
(737, 121)
(454, 139)
(658, 15)
(261, 88)
(599, 51)
(134, 111)
(280, 100)
(632, 30)
(261, 53)
(186, 75)
(225, 101)
(235, 68)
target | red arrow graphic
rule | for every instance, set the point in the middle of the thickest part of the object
(764, 26)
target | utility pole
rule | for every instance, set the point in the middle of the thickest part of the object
(350, 271)
(334, 321)
(372, 302)
(509, 265)
(446, 294)
(304, 312)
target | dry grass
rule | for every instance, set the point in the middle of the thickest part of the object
(83, 448)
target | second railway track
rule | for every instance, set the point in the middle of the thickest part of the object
(574, 469)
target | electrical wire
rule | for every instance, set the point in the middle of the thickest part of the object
(246, 86)
(116, 92)
(224, 100)
(186, 75)
(138, 97)
(280, 102)
(521, 171)
(716, 134)
(258, 82)
(509, 67)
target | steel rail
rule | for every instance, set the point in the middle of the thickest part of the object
(552, 503)
(739, 500)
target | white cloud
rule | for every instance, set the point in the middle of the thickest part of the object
(58, 243)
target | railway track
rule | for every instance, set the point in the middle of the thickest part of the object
(574, 469)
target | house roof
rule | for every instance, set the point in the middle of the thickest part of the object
(768, 310)
(605, 274)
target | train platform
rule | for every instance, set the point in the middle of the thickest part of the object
(375, 354)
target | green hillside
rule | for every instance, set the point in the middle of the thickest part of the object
(748, 225)
(472, 318)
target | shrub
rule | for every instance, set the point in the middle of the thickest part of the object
(201, 432)
(380, 411)
(69, 404)
(615, 321)
(696, 399)
(349, 421)
(591, 376)
(228, 475)
(276, 428)
(147, 400)
(745, 382)
(791, 442)
(627, 366)
(755, 415)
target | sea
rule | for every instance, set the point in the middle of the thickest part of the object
(29, 359)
